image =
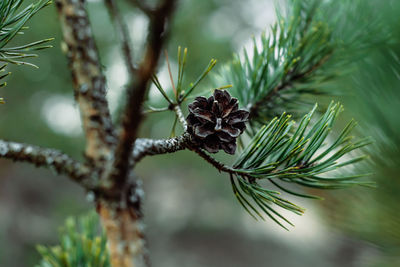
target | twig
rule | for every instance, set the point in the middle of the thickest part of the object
(181, 117)
(155, 110)
(123, 35)
(132, 114)
(218, 165)
(88, 79)
(148, 147)
(50, 158)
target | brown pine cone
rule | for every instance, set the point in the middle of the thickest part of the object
(216, 122)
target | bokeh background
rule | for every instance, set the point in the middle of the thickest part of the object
(191, 215)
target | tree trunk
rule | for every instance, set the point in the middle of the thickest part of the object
(126, 241)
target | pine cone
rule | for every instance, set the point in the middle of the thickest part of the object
(216, 122)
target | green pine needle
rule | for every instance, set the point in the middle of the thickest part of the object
(12, 23)
(82, 243)
(181, 94)
(284, 152)
(294, 60)
(210, 66)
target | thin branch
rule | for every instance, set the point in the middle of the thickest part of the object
(181, 117)
(149, 147)
(50, 158)
(136, 93)
(155, 110)
(221, 167)
(123, 35)
(88, 79)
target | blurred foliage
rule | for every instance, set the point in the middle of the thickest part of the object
(373, 97)
(83, 243)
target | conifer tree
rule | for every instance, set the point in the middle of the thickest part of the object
(259, 112)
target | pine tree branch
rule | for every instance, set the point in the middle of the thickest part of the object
(50, 158)
(88, 79)
(123, 35)
(136, 92)
(221, 167)
(148, 147)
(284, 152)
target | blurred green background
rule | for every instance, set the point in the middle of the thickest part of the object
(191, 214)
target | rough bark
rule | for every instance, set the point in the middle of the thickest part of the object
(89, 82)
(148, 147)
(50, 158)
(132, 117)
(125, 236)
(181, 117)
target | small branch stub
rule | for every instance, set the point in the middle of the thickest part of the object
(216, 122)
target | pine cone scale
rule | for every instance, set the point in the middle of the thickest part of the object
(225, 137)
(203, 130)
(238, 116)
(204, 114)
(232, 108)
(229, 148)
(232, 131)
